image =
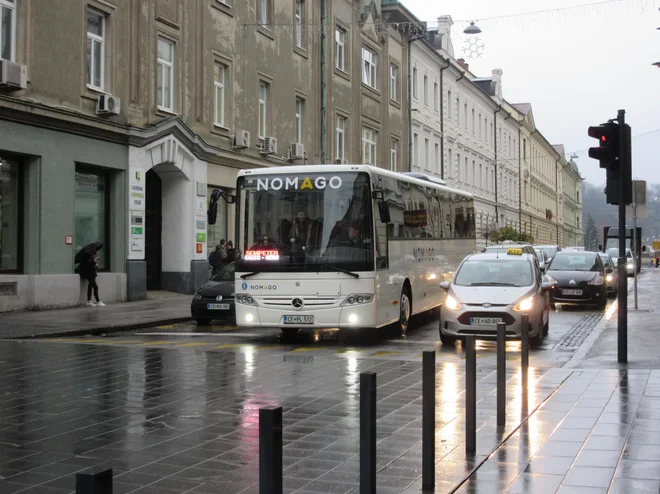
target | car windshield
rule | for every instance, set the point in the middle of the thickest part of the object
(549, 250)
(613, 252)
(574, 261)
(494, 272)
(225, 274)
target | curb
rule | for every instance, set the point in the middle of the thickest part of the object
(100, 330)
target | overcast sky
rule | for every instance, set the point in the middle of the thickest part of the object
(576, 67)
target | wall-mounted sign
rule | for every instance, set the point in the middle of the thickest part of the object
(201, 189)
(200, 248)
(201, 224)
(137, 244)
(68, 239)
(201, 206)
(136, 230)
(201, 237)
(137, 189)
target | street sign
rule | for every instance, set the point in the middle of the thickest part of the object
(639, 198)
(656, 245)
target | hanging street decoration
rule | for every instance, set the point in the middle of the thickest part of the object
(473, 47)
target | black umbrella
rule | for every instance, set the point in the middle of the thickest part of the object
(87, 250)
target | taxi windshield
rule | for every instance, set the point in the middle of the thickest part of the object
(495, 272)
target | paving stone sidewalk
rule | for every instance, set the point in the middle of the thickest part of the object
(162, 308)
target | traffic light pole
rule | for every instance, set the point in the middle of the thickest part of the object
(622, 278)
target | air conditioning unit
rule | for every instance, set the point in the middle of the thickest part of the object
(341, 162)
(108, 105)
(297, 151)
(242, 139)
(13, 76)
(269, 146)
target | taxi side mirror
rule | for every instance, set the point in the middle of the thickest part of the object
(546, 285)
(444, 285)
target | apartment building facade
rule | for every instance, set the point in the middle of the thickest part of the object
(119, 130)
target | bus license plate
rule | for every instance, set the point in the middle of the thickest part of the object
(571, 292)
(485, 321)
(217, 306)
(298, 319)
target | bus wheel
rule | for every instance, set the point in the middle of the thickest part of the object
(405, 310)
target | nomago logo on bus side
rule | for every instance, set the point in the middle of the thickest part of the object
(245, 286)
(288, 183)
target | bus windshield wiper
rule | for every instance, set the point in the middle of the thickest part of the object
(247, 275)
(492, 283)
(350, 273)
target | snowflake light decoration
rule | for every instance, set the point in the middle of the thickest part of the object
(473, 47)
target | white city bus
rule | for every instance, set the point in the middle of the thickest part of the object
(344, 246)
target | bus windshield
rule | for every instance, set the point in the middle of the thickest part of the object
(305, 222)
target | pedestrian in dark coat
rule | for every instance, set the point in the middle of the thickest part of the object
(88, 271)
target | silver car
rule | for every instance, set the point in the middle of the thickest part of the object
(496, 288)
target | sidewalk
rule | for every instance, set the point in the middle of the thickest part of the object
(160, 308)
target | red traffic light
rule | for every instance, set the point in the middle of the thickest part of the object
(607, 150)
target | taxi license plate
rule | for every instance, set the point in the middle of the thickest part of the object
(217, 306)
(571, 292)
(485, 321)
(298, 319)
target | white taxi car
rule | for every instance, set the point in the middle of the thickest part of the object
(489, 289)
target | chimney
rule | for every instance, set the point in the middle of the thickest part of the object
(445, 23)
(463, 64)
(497, 82)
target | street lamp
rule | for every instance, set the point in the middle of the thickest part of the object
(472, 29)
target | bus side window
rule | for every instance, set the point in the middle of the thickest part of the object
(382, 261)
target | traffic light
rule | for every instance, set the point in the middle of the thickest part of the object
(613, 154)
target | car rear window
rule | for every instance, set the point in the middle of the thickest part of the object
(574, 261)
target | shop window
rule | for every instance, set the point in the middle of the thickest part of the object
(91, 209)
(219, 231)
(10, 216)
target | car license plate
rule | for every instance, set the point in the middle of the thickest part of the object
(217, 306)
(298, 319)
(485, 321)
(571, 292)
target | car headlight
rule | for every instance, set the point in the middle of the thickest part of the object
(609, 278)
(550, 279)
(452, 304)
(629, 265)
(598, 280)
(197, 296)
(524, 305)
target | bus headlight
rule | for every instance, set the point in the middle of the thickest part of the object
(249, 317)
(244, 299)
(629, 265)
(353, 318)
(609, 278)
(357, 299)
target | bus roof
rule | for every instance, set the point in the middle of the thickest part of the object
(276, 170)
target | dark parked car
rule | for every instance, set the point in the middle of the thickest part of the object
(215, 300)
(579, 279)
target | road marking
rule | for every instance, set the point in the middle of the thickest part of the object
(385, 354)
(201, 343)
(305, 349)
(228, 345)
(151, 343)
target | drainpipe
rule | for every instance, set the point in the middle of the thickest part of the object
(520, 179)
(557, 195)
(497, 215)
(324, 96)
(442, 119)
(410, 125)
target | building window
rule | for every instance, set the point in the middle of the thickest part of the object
(340, 131)
(465, 116)
(219, 81)
(263, 109)
(340, 51)
(416, 149)
(426, 90)
(474, 126)
(436, 97)
(394, 151)
(467, 174)
(427, 153)
(458, 111)
(394, 79)
(450, 164)
(165, 89)
(11, 231)
(95, 49)
(369, 143)
(299, 119)
(480, 129)
(449, 105)
(91, 213)
(481, 174)
(437, 157)
(369, 67)
(414, 84)
(298, 22)
(8, 29)
(264, 12)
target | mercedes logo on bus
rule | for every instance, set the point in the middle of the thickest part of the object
(297, 303)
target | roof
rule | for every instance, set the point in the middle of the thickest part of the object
(522, 107)
(486, 85)
(559, 148)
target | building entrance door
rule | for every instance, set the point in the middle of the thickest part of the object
(153, 249)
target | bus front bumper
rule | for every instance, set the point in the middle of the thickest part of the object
(354, 316)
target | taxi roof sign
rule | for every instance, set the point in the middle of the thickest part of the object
(515, 252)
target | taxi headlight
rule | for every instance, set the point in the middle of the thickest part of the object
(598, 280)
(524, 305)
(609, 278)
(629, 265)
(452, 304)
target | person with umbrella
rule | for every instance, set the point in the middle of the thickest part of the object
(88, 260)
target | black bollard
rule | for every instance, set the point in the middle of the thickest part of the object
(270, 450)
(94, 483)
(470, 395)
(501, 373)
(524, 359)
(428, 421)
(368, 433)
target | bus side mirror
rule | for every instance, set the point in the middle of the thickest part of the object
(600, 247)
(212, 213)
(384, 212)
